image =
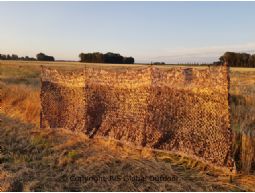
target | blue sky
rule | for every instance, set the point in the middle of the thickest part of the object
(172, 32)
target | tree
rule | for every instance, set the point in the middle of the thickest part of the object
(128, 60)
(3, 57)
(238, 59)
(252, 61)
(113, 58)
(244, 61)
(43, 57)
(98, 57)
(86, 57)
(230, 58)
(8, 57)
(14, 57)
(109, 57)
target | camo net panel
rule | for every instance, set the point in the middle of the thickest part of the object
(62, 99)
(184, 110)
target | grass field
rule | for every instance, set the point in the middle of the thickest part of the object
(32, 159)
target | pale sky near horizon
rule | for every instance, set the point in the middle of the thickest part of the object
(172, 32)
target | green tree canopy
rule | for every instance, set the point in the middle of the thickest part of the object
(238, 59)
(109, 57)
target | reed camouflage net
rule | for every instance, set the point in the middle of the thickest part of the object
(183, 110)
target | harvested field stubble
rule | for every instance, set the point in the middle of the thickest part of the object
(39, 160)
(60, 160)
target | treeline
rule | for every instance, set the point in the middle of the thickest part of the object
(15, 57)
(39, 57)
(158, 63)
(109, 57)
(238, 59)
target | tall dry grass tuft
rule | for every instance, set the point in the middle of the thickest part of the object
(248, 151)
(22, 102)
(243, 119)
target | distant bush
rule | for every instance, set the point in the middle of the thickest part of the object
(44, 57)
(109, 57)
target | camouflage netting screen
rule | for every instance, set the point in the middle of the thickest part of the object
(183, 110)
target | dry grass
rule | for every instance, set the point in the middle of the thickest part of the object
(21, 102)
(45, 160)
(243, 117)
(50, 160)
